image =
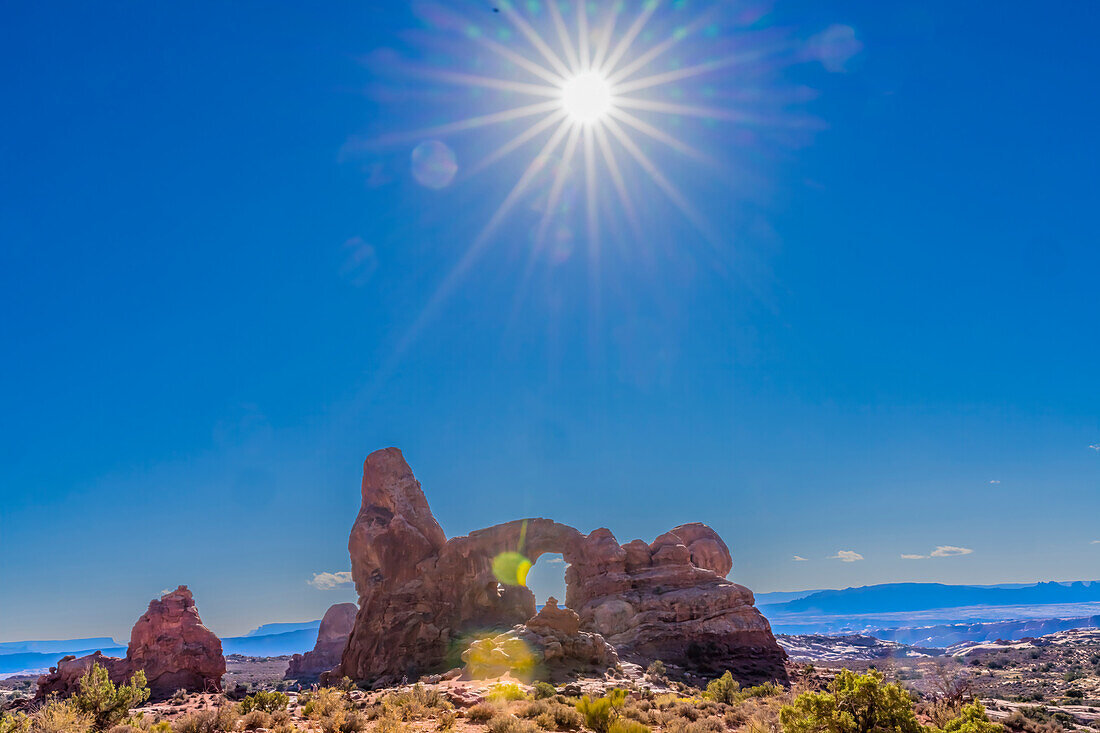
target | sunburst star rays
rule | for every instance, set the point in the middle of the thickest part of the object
(596, 77)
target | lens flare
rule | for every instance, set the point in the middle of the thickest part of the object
(495, 656)
(586, 97)
(511, 568)
(620, 92)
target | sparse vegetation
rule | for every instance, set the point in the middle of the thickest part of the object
(106, 703)
(544, 690)
(855, 703)
(256, 719)
(657, 669)
(61, 716)
(507, 692)
(511, 724)
(264, 701)
(724, 689)
(14, 723)
(482, 712)
(210, 720)
(600, 713)
(626, 725)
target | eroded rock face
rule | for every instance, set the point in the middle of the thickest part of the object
(64, 679)
(423, 597)
(550, 645)
(169, 642)
(670, 601)
(332, 637)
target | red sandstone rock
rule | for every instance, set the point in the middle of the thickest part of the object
(549, 645)
(169, 642)
(332, 637)
(421, 595)
(64, 679)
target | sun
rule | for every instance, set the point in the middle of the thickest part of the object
(587, 97)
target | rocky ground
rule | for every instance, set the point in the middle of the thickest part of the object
(1042, 685)
(1054, 678)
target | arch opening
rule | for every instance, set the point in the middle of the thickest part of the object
(546, 578)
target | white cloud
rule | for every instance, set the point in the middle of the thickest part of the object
(950, 551)
(165, 592)
(846, 556)
(1095, 542)
(941, 551)
(556, 561)
(1095, 447)
(799, 558)
(331, 581)
(994, 481)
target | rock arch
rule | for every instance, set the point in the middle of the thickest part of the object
(420, 593)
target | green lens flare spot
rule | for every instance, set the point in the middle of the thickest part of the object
(511, 568)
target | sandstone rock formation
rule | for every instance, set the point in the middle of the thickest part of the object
(549, 645)
(422, 597)
(169, 642)
(332, 637)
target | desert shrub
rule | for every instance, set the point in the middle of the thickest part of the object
(124, 728)
(1019, 721)
(566, 717)
(682, 725)
(627, 726)
(414, 703)
(211, 720)
(1075, 693)
(768, 689)
(724, 689)
(267, 702)
(544, 690)
(106, 703)
(14, 723)
(601, 712)
(855, 703)
(506, 692)
(225, 718)
(256, 719)
(667, 700)
(972, 719)
(482, 712)
(533, 709)
(200, 721)
(387, 724)
(61, 716)
(446, 721)
(657, 669)
(322, 703)
(343, 720)
(511, 724)
(736, 717)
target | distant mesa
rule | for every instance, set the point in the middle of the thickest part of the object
(169, 642)
(422, 595)
(332, 637)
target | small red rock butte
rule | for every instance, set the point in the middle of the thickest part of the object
(332, 637)
(420, 593)
(169, 642)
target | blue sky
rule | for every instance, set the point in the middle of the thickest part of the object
(216, 281)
